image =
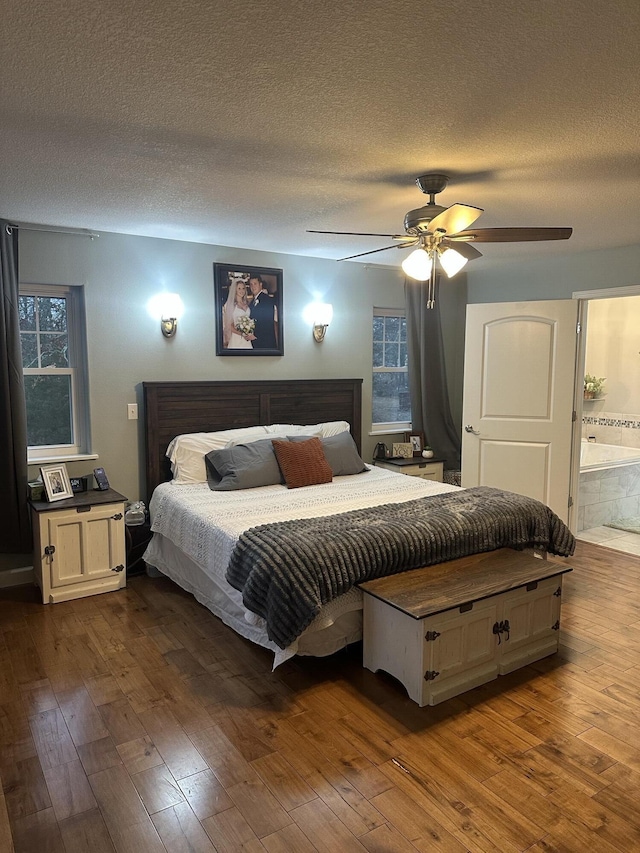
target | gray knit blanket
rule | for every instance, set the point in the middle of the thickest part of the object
(287, 570)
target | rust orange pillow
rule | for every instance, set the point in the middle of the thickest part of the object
(302, 463)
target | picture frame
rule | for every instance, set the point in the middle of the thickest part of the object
(416, 440)
(263, 297)
(402, 450)
(56, 482)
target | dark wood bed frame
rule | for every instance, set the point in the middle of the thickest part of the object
(174, 408)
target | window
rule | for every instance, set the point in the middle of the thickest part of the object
(54, 368)
(391, 403)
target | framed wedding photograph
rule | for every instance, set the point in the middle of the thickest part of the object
(56, 482)
(248, 306)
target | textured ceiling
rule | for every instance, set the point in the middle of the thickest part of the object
(245, 123)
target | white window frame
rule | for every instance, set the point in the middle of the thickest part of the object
(77, 370)
(394, 426)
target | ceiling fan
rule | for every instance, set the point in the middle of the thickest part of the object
(441, 235)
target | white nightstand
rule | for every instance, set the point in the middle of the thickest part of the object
(79, 545)
(428, 469)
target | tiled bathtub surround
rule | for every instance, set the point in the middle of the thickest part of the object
(612, 428)
(608, 494)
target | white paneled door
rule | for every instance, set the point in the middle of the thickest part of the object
(519, 382)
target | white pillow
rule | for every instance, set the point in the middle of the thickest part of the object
(186, 452)
(323, 430)
(334, 428)
(251, 438)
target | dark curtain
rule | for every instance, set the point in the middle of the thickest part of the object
(430, 409)
(15, 535)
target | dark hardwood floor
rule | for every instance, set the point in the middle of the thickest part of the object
(136, 722)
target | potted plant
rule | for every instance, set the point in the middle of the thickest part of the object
(593, 386)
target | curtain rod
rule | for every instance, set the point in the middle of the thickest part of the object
(46, 229)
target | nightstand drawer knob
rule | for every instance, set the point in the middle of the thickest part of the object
(117, 516)
(117, 569)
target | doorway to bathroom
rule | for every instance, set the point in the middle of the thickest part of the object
(609, 480)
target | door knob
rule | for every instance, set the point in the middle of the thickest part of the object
(469, 428)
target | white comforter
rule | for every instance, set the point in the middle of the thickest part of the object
(205, 525)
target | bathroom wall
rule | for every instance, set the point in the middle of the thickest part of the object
(613, 351)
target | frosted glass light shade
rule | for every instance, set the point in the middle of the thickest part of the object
(323, 314)
(319, 315)
(418, 265)
(452, 262)
(168, 308)
(165, 305)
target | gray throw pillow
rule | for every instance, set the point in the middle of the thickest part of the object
(341, 453)
(244, 466)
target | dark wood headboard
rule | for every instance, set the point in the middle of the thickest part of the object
(174, 408)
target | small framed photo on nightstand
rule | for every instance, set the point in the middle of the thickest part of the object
(57, 485)
(416, 440)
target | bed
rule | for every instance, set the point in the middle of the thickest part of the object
(198, 532)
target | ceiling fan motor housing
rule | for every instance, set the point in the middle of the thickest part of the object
(417, 221)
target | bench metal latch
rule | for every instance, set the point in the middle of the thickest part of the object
(500, 628)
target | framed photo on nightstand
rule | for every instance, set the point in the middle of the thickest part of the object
(55, 479)
(416, 440)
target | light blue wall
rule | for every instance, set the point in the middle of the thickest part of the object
(120, 273)
(556, 277)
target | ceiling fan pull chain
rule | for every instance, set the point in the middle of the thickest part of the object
(431, 295)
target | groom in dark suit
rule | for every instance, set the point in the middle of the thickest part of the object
(265, 312)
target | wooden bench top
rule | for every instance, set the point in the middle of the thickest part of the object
(424, 592)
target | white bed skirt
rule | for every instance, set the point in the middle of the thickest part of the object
(336, 626)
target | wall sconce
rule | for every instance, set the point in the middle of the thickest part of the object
(168, 308)
(319, 315)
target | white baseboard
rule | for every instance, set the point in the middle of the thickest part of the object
(17, 577)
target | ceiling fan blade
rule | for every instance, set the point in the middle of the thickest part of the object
(384, 249)
(512, 235)
(361, 234)
(455, 218)
(465, 249)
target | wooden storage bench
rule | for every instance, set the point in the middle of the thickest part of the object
(444, 629)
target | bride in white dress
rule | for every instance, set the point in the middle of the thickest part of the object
(235, 309)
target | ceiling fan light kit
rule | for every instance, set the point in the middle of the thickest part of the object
(451, 261)
(435, 230)
(418, 265)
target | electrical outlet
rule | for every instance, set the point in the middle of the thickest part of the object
(132, 411)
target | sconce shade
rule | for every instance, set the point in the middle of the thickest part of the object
(168, 308)
(319, 314)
